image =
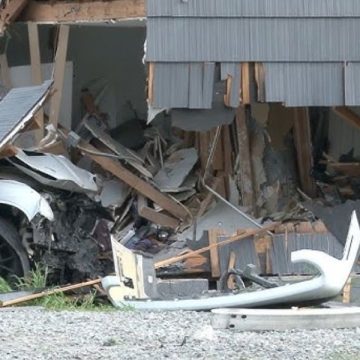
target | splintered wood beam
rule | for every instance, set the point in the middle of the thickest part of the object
(10, 12)
(82, 11)
(59, 73)
(214, 252)
(302, 137)
(141, 186)
(348, 115)
(36, 70)
(245, 171)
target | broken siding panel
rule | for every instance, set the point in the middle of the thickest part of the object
(253, 39)
(183, 85)
(17, 106)
(253, 8)
(304, 84)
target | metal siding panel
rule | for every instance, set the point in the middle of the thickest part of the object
(208, 85)
(17, 104)
(253, 8)
(195, 85)
(304, 84)
(245, 39)
(171, 85)
(352, 81)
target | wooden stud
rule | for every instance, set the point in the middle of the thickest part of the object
(36, 71)
(347, 292)
(246, 182)
(59, 72)
(302, 137)
(151, 82)
(214, 253)
(231, 283)
(154, 216)
(245, 83)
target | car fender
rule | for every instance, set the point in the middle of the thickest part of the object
(24, 198)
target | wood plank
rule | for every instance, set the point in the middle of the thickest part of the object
(227, 151)
(59, 72)
(36, 77)
(245, 171)
(10, 10)
(134, 181)
(214, 253)
(231, 282)
(154, 216)
(150, 84)
(82, 11)
(4, 72)
(49, 292)
(230, 240)
(348, 115)
(302, 138)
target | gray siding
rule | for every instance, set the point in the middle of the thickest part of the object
(310, 48)
(253, 8)
(253, 39)
(17, 104)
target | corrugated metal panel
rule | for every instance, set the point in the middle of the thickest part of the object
(254, 8)
(281, 251)
(253, 39)
(352, 84)
(183, 85)
(17, 104)
(305, 84)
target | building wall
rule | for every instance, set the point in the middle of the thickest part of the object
(106, 59)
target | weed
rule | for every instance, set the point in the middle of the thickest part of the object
(4, 286)
(36, 279)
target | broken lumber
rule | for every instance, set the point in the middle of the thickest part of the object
(49, 292)
(230, 240)
(302, 137)
(154, 216)
(36, 77)
(245, 172)
(134, 181)
(214, 252)
(59, 74)
(10, 10)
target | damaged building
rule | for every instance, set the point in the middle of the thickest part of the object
(169, 127)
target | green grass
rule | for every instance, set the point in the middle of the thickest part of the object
(4, 286)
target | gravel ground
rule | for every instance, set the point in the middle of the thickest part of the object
(36, 333)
